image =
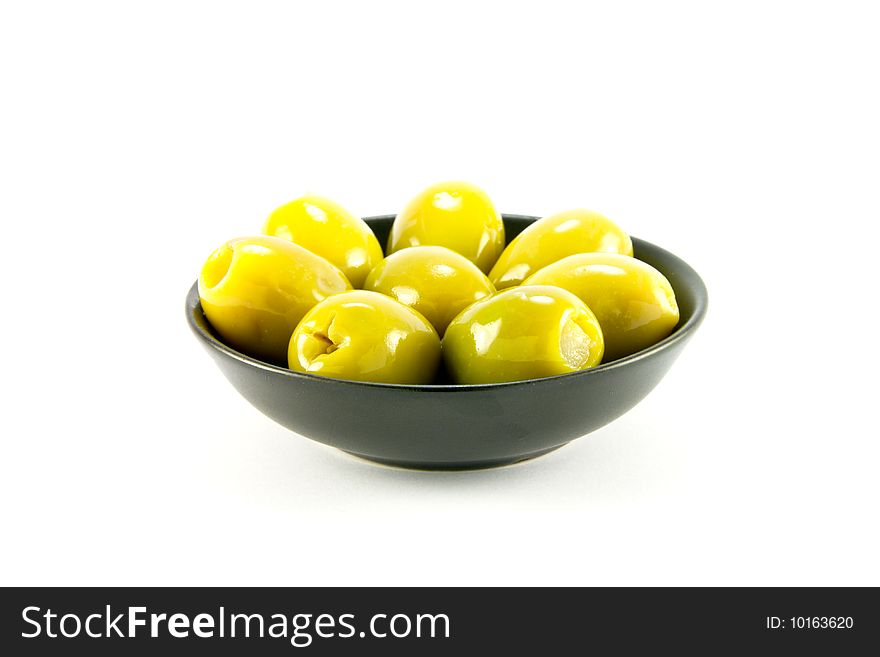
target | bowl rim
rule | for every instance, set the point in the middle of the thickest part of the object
(682, 333)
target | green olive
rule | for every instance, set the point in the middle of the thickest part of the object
(331, 231)
(437, 282)
(553, 238)
(634, 303)
(526, 332)
(255, 290)
(457, 215)
(365, 336)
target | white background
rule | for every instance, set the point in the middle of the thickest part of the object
(135, 138)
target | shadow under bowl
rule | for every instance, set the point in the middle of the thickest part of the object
(458, 427)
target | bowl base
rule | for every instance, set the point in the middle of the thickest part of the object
(454, 465)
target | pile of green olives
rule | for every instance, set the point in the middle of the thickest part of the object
(447, 301)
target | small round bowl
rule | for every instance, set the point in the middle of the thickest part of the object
(457, 427)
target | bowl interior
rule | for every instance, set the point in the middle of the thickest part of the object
(689, 288)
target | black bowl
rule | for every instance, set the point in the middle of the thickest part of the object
(445, 427)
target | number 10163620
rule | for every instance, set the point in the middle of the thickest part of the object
(810, 623)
